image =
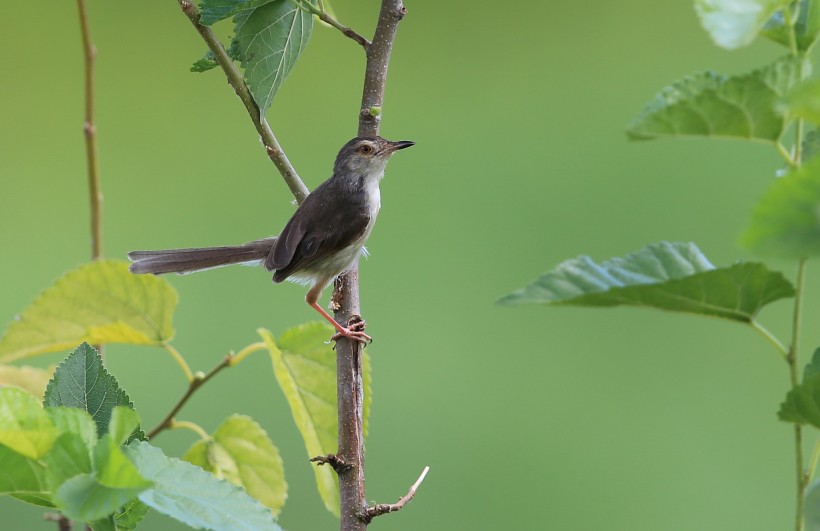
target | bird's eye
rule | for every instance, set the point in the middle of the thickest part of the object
(366, 149)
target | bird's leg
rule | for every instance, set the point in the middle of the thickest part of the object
(355, 331)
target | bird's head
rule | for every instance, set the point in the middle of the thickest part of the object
(367, 156)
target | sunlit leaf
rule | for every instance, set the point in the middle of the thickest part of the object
(305, 367)
(786, 220)
(806, 28)
(82, 381)
(25, 427)
(271, 38)
(735, 23)
(31, 379)
(666, 276)
(195, 497)
(100, 302)
(745, 107)
(241, 452)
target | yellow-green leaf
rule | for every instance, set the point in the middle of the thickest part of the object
(305, 367)
(241, 452)
(99, 302)
(31, 379)
(25, 427)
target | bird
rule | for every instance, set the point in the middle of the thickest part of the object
(323, 239)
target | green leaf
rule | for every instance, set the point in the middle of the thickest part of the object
(25, 427)
(213, 11)
(666, 276)
(31, 379)
(73, 420)
(270, 39)
(806, 28)
(744, 107)
(195, 497)
(100, 302)
(69, 457)
(84, 499)
(130, 515)
(241, 452)
(114, 481)
(802, 404)
(81, 381)
(735, 23)
(208, 61)
(811, 506)
(804, 101)
(305, 367)
(21, 475)
(124, 422)
(785, 221)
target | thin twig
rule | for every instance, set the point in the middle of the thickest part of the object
(237, 81)
(90, 130)
(384, 508)
(349, 387)
(197, 382)
(325, 17)
(63, 523)
(337, 463)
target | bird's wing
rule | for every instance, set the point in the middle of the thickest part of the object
(305, 241)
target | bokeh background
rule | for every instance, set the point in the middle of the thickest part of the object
(530, 417)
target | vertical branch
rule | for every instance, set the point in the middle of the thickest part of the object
(346, 296)
(89, 128)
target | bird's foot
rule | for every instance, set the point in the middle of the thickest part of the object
(354, 331)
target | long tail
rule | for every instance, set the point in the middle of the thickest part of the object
(198, 259)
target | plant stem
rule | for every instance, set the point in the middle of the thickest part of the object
(346, 294)
(237, 81)
(791, 359)
(195, 383)
(245, 352)
(325, 17)
(90, 130)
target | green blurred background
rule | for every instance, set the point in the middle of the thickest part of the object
(529, 417)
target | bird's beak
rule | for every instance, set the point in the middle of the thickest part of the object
(401, 144)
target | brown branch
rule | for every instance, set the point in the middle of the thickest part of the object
(90, 130)
(198, 381)
(384, 508)
(237, 81)
(350, 390)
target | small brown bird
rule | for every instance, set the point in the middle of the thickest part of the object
(323, 239)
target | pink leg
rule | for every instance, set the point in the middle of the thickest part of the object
(355, 332)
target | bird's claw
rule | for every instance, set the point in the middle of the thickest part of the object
(354, 331)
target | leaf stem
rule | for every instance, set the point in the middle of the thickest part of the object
(90, 131)
(325, 17)
(771, 338)
(785, 154)
(195, 383)
(188, 425)
(237, 81)
(245, 352)
(186, 369)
